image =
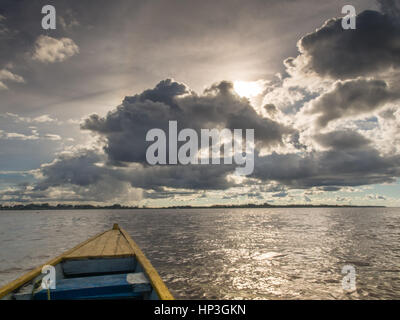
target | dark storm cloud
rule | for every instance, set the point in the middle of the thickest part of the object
(342, 140)
(330, 188)
(82, 169)
(75, 177)
(125, 128)
(352, 167)
(391, 8)
(162, 193)
(342, 54)
(352, 98)
(350, 160)
(77, 169)
(165, 92)
(195, 177)
(331, 170)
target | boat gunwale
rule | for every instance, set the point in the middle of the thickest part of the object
(155, 279)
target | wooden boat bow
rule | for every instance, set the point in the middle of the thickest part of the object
(112, 244)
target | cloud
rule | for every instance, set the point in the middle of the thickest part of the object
(68, 21)
(183, 177)
(351, 98)
(282, 194)
(390, 8)
(50, 136)
(50, 50)
(376, 197)
(340, 166)
(79, 176)
(125, 127)
(336, 168)
(3, 28)
(342, 140)
(334, 52)
(33, 136)
(17, 136)
(78, 169)
(6, 75)
(43, 118)
(86, 167)
(106, 190)
(39, 119)
(85, 173)
(331, 188)
(348, 158)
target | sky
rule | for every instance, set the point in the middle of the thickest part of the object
(76, 102)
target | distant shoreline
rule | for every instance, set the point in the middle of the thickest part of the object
(33, 206)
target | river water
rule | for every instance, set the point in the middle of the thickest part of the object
(274, 253)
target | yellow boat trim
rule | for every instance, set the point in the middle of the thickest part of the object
(152, 274)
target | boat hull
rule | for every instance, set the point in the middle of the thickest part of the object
(109, 265)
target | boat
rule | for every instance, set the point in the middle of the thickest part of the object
(109, 265)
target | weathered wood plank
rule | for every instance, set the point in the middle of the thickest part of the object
(123, 246)
(110, 244)
(84, 250)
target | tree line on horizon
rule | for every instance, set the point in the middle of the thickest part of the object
(47, 206)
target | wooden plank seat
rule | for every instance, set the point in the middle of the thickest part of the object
(127, 285)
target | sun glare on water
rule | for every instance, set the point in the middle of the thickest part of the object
(248, 89)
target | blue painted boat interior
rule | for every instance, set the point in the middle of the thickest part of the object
(96, 278)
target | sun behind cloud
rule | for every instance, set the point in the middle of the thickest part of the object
(249, 89)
